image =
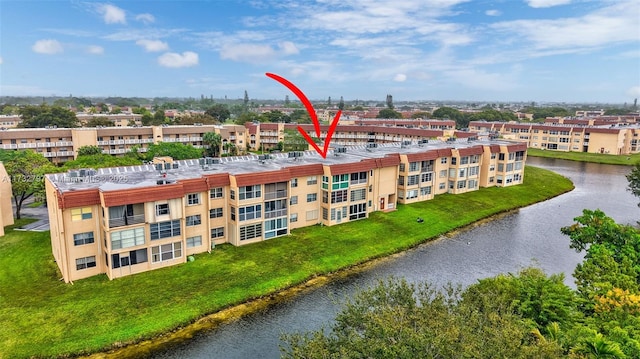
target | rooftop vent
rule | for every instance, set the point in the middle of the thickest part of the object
(295, 154)
(338, 150)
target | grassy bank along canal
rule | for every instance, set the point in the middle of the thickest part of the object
(43, 317)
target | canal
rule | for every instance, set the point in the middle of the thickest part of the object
(528, 237)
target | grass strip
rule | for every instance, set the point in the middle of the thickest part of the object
(40, 316)
(627, 160)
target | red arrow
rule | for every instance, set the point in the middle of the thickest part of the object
(312, 114)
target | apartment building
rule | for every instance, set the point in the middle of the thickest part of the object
(62, 144)
(9, 121)
(616, 138)
(6, 211)
(118, 120)
(267, 135)
(126, 220)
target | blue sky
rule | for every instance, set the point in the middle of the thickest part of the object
(500, 50)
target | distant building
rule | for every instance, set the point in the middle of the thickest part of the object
(6, 210)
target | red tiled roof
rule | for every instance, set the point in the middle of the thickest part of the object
(73, 199)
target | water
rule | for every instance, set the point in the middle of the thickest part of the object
(530, 236)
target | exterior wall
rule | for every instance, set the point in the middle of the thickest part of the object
(126, 226)
(6, 211)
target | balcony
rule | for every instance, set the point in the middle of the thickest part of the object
(275, 195)
(276, 213)
(126, 215)
(27, 145)
(12, 146)
(126, 220)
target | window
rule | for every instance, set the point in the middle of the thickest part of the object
(501, 156)
(358, 195)
(312, 214)
(509, 167)
(443, 160)
(340, 181)
(251, 231)
(127, 238)
(357, 211)
(217, 232)
(193, 220)
(275, 190)
(464, 160)
(442, 185)
(312, 180)
(325, 213)
(412, 180)
(339, 196)
(232, 194)
(473, 171)
(164, 229)
(325, 182)
(248, 192)
(166, 252)
(473, 184)
(275, 227)
(427, 166)
(85, 262)
(216, 193)
(454, 160)
(402, 167)
(125, 259)
(338, 213)
(293, 217)
(83, 238)
(426, 177)
(462, 173)
(216, 213)
(276, 208)
(462, 184)
(194, 241)
(162, 209)
(358, 177)
(78, 214)
(400, 180)
(425, 191)
(312, 197)
(293, 200)
(250, 212)
(412, 194)
(294, 182)
(413, 166)
(443, 173)
(193, 199)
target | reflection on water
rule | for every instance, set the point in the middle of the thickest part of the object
(530, 236)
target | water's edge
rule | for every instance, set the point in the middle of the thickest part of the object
(180, 335)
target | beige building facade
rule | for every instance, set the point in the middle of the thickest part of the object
(6, 210)
(121, 221)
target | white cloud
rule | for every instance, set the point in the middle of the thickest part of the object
(606, 26)
(172, 59)
(95, 50)
(153, 45)
(400, 78)
(493, 12)
(47, 46)
(546, 3)
(1, 60)
(112, 14)
(145, 18)
(134, 34)
(256, 53)
(634, 91)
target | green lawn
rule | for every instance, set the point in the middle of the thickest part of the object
(628, 160)
(42, 316)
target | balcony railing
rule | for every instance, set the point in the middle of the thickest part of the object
(274, 214)
(273, 195)
(126, 220)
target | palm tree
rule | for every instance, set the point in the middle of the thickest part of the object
(213, 140)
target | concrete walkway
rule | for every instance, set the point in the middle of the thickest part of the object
(40, 213)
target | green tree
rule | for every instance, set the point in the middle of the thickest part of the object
(26, 171)
(158, 118)
(101, 160)
(396, 319)
(633, 177)
(420, 114)
(389, 102)
(452, 114)
(274, 116)
(116, 110)
(299, 116)
(214, 141)
(175, 150)
(247, 117)
(219, 112)
(45, 115)
(293, 141)
(245, 102)
(389, 113)
(341, 104)
(99, 121)
(89, 150)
